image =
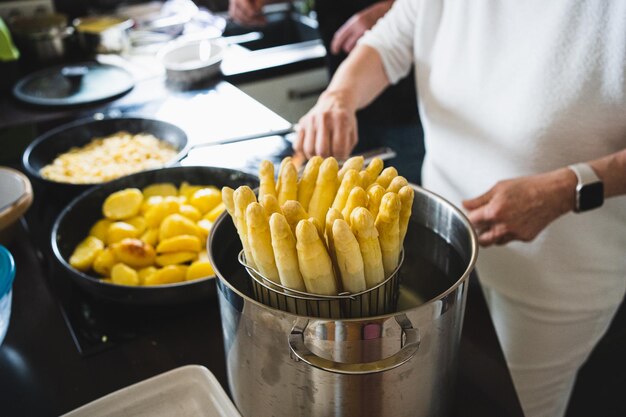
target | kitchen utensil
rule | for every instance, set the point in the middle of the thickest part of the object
(7, 274)
(378, 300)
(41, 38)
(188, 62)
(16, 196)
(48, 146)
(190, 390)
(53, 87)
(103, 34)
(399, 364)
(74, 222)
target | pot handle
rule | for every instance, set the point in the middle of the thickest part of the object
(409, 346)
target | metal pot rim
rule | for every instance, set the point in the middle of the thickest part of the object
(464, 276)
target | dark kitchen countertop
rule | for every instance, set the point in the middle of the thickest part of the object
(239, 66)
(42, 371)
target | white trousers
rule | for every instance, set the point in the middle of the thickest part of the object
(544, 349)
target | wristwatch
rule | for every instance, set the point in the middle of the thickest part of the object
(590, 189)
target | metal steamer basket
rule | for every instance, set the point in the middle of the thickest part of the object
(377, 300)
(283, 361)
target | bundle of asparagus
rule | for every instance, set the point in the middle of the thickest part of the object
(330, 231)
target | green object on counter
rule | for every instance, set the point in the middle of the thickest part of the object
(8, 51)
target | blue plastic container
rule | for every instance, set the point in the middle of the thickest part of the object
(7, 273)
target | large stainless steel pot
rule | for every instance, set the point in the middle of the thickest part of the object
(399, 364)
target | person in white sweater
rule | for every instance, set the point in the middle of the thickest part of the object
(511, 94)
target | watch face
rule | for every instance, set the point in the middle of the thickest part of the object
(591, 196)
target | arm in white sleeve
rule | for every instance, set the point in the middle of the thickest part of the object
(393, 38)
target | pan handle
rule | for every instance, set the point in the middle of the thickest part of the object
(410, 342)
(279, 132)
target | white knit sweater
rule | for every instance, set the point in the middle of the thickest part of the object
(510, 88)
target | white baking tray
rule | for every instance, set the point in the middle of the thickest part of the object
(186, 391)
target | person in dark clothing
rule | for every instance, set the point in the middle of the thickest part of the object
(391, 120)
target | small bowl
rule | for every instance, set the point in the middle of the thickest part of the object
(16, 196)
(189, 62)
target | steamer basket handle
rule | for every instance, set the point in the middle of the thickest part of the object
(410, 345)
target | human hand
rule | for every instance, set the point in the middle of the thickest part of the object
(349, 33)
(247, 12)
(328, 129)
(520, 208)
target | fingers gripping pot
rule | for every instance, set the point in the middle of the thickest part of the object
(398, 364)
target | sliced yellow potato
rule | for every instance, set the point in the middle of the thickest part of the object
(215, 212)
(155, 214)
(162, 189)
(167, 275)
(134, 252)
(180, 243)
(86, 252)
(199, 269)
(150, 202)
(190, 212)
(124, 275)
(139, 223)
(175, 258)
(206, 199)
(144, 273)
(205, 227)
(151, 236)
(176, 224)
(103, 263)
(187, 190)
(100, 229)
(123, 204)
(119, 231)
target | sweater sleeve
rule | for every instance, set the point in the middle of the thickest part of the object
(393, 38)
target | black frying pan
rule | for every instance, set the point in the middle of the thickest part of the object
(51, 144)
(74, 222)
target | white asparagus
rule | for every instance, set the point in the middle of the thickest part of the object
(355, 163)
(242, 197)
(388, 226)
(267, 184)
(397, 183)
(306, 184)
(375, 195)
(285, 253)
(350, 180)
(406, 195)
(349, 258)
(315, 264)
(288, 183)
(357, 198)
(260, 242)
(367, 236)
(325, 190)
(385, 177)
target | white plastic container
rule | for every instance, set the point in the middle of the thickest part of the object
(188, 391)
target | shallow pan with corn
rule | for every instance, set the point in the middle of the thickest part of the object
(74, 222)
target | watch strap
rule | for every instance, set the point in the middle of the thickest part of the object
(584, 173)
